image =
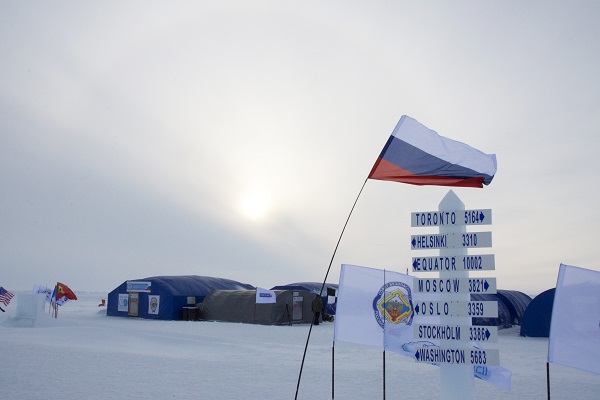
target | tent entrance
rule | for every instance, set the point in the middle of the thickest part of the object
(134, 300)
(297, 307)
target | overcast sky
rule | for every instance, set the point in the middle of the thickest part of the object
(231, 138)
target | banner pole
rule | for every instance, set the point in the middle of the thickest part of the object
(384, 374)
(384, 320)
(332, 369)
(548, 378)
(323, 285)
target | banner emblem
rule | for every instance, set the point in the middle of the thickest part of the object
(393, 304)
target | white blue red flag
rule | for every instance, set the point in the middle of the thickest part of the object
(575, 324)
(417, 155)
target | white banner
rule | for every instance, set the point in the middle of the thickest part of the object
(153, 304)
(123, 305)
(375, 308)
(264, 296)
(575, 325)
(371, 301)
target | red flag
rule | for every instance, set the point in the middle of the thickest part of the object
(63, 290)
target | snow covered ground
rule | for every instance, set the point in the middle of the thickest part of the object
(86, 355)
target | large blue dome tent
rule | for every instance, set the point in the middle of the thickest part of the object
(537, 317)
(164, 297)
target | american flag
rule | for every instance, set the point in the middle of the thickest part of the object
(5, 296)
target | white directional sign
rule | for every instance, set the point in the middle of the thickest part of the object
(456, 309)
(455, 285)
(438, 355)
(463, 333)
(451, 241)
(452, 218)
(484, 262)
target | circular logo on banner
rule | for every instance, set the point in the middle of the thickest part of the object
(393, 304)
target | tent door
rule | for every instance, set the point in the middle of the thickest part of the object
(134, 299)
(297, 308)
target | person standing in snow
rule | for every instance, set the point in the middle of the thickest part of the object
(317, 307)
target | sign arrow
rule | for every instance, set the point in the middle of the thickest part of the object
(486, 285)
(417, 355)
(481, 216)
(417, 308)
(487, 334)
(413, 242)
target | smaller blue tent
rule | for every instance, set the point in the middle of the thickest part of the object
(330, 289)
(164, 297)
(537, 317)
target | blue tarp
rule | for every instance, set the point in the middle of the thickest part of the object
(172, 293)
(537, 317)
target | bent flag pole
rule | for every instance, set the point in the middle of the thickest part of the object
(417, 155)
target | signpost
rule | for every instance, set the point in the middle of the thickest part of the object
(448, 297)
(454, 217)
(458, 356)
(482, 262)
(455, 285)
(465, 333)
(451, 241)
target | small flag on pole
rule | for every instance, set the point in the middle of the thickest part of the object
(417, 155)
(264, 296)
(5, 296)
(63, 294)
(575, 324)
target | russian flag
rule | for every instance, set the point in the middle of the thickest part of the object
(417, 155)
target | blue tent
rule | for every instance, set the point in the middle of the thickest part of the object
(517, 302)
(511, 307)
(537, 317)
(330, 289)
(164, 297)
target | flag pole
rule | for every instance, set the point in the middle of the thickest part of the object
(332, 369)
(548, 378)
(384, 319)
(384, 373)
(323, 285)
(55, 304)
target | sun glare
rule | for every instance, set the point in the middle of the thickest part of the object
(254, 206)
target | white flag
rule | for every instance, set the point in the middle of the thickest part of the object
(575, 325)
(264, 296)
(370, 302)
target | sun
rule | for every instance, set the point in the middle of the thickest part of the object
(254, 206)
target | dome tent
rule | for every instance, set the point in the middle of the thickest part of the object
(537, 317)
(517, 302)
(164, 297)
(330, 289)
(511, 307)
(290, 307)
